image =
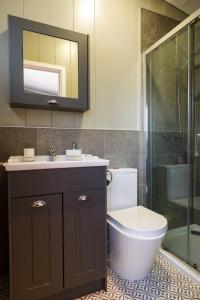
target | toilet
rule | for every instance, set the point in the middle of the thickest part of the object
(135, 232)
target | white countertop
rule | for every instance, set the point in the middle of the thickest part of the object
(17, 163)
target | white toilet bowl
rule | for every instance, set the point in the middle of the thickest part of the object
(136, 233)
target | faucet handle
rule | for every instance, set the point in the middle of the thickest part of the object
(52, 151)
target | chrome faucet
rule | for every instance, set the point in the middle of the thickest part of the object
(52, 154)
(74, 146)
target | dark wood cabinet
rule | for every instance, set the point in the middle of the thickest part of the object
(57, 233)
(37, 246)
(84, 237)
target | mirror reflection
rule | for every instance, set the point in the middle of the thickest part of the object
(50, 65)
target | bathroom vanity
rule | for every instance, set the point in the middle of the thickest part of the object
(57, 228)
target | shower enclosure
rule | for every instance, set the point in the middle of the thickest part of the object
(172, 91)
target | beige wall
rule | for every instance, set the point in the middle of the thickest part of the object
(115, 62)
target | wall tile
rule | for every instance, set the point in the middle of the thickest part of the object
(121, 143)
(145, 44)
(115, 162)
(162, 144)
(156, 6)
(153, 27)
(161, 160)
(60, 139)
(128, 162)
(148, 25)
(122, 147)
(135, 162)
(91, 142)
(173, 12)
(175, 214)
(164, 25)
(131, 162)
(15, 139)
(142, 196)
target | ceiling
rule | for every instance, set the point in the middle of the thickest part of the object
(188, 6)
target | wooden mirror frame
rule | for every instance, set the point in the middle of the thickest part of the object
(18, 98)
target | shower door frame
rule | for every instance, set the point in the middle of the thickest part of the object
(187, 23)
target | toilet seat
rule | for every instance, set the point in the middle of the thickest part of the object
(138, 222)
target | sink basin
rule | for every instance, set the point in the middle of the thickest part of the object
(17, 163)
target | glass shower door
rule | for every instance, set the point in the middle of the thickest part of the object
(194, 227)
(168, 137)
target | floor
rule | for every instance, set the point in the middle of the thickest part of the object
(176, 241)
(164, 282)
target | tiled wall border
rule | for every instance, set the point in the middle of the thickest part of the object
(124, 148)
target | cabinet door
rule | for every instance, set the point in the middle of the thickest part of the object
(36, 228)
(84, 237)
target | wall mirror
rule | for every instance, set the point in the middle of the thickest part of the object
(49, 66)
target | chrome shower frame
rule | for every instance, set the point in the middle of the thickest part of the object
(187, 23)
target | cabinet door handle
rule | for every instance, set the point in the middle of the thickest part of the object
(53, 101)
(83, 198)
(37, 204)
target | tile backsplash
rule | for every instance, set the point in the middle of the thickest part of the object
(124, 148)
(154, 26)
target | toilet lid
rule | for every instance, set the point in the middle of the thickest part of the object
(139, 221)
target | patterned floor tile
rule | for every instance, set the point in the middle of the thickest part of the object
(163, 283)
